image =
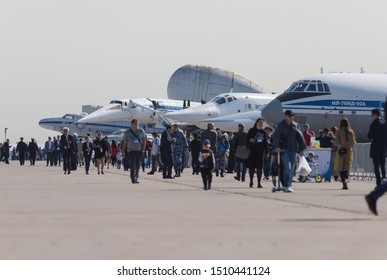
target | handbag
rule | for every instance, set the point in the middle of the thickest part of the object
(243, 152)
(342, 151)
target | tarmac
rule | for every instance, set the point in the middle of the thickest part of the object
(47, 215)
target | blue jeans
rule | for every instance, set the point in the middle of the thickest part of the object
(240, 172)
(288, 162)
(379, 191)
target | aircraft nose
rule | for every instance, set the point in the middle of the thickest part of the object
(273, 112)
(45, 123)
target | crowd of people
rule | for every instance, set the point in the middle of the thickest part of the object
(211, 151)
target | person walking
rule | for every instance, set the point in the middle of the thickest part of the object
(81, 158)
(56, 152)
(211, 135)
(166, 152)
(67, 149)
(155, 152)
(179, 146)
(376, 134)
(114, 152)
(195, 147)
(239, 140)
(134, 142)
(100, 148)
(49, 147)
(207, 163)
(344, 139)
(87, 150)
(74, 156)
(21, 147)
(5, 149)
(32, 151)
(259, 149)
(288, 141)
(223, 147)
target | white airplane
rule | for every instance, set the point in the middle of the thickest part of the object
(69, 120)
(323, 100)
(145, 110)
(222, 105)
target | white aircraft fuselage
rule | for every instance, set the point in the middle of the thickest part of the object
(145, 110)
(323, 100)
(69, 120)
(222, 105)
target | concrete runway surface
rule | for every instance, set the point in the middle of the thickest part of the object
(45, 214)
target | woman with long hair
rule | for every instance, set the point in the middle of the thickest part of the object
(345, 139)
(259, 148)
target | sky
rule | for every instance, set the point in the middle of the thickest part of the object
(56, 55)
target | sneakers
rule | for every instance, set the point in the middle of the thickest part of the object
(371, 202)
(288, 189)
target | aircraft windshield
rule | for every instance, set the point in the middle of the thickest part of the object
(69, 117)
(221, 100)
(116, 102)
(313, 86)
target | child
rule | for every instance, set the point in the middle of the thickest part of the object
(311, 163)
(207, 163)
(119, 159)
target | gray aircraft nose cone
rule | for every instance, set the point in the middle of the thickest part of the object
(273, 111)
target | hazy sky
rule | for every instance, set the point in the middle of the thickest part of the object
(57, 55)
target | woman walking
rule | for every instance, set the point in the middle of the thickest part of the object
(259, 147)
(345, 139)
(100, 149)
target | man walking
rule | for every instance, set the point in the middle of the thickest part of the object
(376, 134)
(155, 152)
(134, 143)
(289, 141)
(195, 147)
(166, 152)
(21, 147)
(6, 151)
(32, 150)
(179, 146)
(67, 148)
(49, 147)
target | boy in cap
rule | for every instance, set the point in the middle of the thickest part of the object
(207, 163)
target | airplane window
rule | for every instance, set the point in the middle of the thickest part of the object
(214, 99)
(301, 86)
(230, 99)
(69, 117)
(291, 88)
(326, 88)
(221, 101)
(116, 102)
(234, 98)
(311, 87)
(320, 88)
(126, 103)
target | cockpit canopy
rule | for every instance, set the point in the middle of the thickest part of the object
(223, 99)
(119, 102)
(309, 86)
(68, 116)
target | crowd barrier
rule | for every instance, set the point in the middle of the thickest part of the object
(362, 166)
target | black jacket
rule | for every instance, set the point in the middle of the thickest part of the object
(289, 137)
(376, 134)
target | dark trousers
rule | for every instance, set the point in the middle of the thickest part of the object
(56, 157)
(87, 162)
(50, 158)
(32, 159)
(154, 163)
(240, 169)
(206, 177)
(135, 163)
(126, 161)
(266, 166)
(195, 163)
(74, 161)
(22, 158)
(379, 191)
(166, 159)
(67, 161)
(379, 163)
